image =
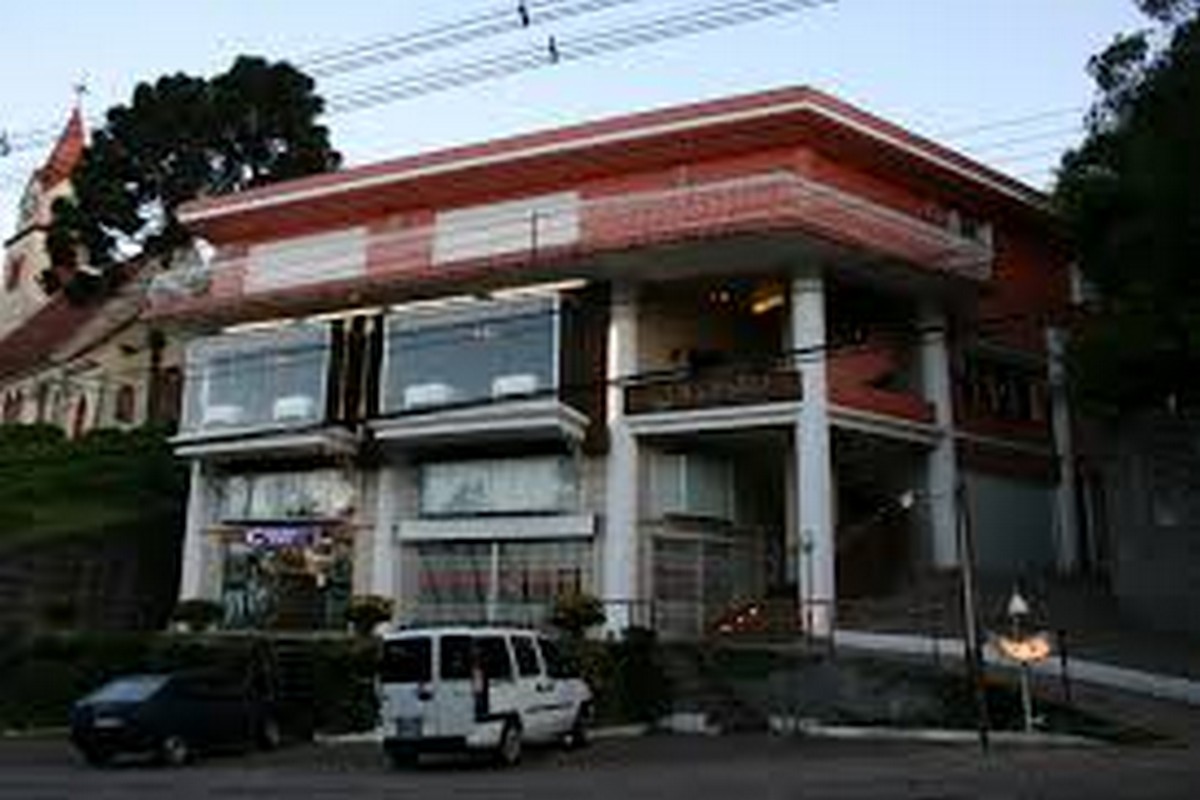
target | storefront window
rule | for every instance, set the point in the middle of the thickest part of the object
(698, 578)
(452, 581)
(533, 575)
(498, 581)
(289, 578)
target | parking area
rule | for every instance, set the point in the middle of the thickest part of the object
(697, 768)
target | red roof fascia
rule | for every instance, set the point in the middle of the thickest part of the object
(218, 212)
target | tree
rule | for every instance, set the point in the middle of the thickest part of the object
(180, 138)
(1129, 193)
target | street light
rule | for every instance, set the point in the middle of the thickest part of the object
(1025, 648)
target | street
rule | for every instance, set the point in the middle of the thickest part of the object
(652, 767)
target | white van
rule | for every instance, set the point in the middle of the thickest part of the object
(477, 689)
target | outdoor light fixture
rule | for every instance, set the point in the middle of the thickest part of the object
(535, 289)
(1024, 648)
(261, 325)
(449, 301)
(768, 303)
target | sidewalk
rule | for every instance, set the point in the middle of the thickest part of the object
(1094, 628)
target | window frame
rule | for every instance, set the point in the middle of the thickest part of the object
(470, 312)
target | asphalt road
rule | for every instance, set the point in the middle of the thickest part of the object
(697, 768)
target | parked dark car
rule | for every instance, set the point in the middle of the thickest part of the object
(171, 717)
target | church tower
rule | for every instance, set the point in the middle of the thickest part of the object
(21, 294)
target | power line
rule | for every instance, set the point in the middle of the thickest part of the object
(1009, 122)
(496, 22)
(648, 31)
(1006, 143)
(493, 23)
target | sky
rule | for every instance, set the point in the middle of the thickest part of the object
(1002, 80)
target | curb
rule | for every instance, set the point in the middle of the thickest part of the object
(376, 736)
(35, 733)
(784, 726)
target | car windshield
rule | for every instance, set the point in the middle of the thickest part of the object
(406, 660)
(128, 690)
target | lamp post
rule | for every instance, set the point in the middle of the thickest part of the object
(971, 649)
(1024, 647)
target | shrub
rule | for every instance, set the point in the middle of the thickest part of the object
(574, 613)
(367, 611)
(198, 614)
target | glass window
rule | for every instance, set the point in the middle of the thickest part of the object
(496, 486)
(454, 660)
(488, 351)
(128, 690)
(534, 574)
(310, 494)
(267, 378)
(494, 658)
(449, 581)
(692, 484)
(557, 665)
(527, 660)
(406, 660)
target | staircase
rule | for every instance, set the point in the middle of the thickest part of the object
(292, 674)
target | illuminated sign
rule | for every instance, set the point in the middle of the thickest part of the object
(275, 537)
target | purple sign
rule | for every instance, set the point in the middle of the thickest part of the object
(279, 537)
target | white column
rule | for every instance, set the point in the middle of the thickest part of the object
(1067, 527)
(383, 539)
(941, 478)
(813, 474)
(621, 496)
(195, 568)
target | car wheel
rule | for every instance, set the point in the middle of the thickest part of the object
(174, 751)
(402, 757)
(97, 757)
(508, 752)
(577, 737)
(269, 735)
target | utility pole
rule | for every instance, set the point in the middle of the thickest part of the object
(971, 649)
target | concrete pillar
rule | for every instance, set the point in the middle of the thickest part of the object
(620, 543)
(1066, 518)
(941, 477)
(814, 467)
(383, 536)
(194, 580)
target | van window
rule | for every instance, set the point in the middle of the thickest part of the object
(556, 665)
(406, 660)
(493, 657)
(455, 660)
(527, 660)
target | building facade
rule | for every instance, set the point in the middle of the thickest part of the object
(77, 365)
(680, 360)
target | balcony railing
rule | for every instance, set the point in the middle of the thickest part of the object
(712, 389)
(386, 257)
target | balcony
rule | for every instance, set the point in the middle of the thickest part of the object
(714, 388)
(384, 261)
(250, 385)
(481, 369)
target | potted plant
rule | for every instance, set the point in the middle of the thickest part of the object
(368, 611)
(575, 612)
